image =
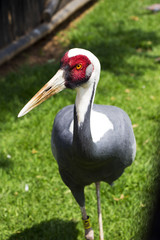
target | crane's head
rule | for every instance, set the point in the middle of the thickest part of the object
(78, 68)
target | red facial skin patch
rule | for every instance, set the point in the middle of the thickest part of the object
(74, 75)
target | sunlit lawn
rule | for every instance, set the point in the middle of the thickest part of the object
(34, 203)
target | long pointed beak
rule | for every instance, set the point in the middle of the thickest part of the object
(55, 85)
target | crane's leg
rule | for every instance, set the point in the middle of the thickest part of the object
(89, 233)
(101, 237)
(78, 193)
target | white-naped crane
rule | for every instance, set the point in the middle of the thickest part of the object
(91, 143)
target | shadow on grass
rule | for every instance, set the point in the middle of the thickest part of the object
(54, 229)
(5, 163)
(153, 229)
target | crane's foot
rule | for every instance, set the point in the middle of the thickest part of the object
(89, 234)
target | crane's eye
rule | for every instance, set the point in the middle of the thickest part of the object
(78, 66)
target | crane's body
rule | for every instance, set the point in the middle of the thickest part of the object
(101, 160)
(90, 142)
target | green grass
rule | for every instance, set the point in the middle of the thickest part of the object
(126, 39)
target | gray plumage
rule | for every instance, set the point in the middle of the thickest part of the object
(81, 165)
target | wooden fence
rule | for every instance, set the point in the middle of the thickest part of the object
(24, 22)
(18, 17)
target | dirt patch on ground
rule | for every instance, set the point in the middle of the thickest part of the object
(47, 49)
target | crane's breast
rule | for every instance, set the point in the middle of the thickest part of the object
(100, 124)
